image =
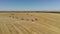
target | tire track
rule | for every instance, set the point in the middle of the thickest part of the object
(17, 29)
(43, 29)
(12, 29)
(26, 31)
(3, 28)
(30, 26)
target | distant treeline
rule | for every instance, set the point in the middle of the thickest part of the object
(31, 11)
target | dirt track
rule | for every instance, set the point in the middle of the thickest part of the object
(29, 23)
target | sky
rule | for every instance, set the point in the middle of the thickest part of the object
(29, 5)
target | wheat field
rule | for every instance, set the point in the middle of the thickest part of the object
(29, 23)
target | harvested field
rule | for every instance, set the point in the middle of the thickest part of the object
(29, 23)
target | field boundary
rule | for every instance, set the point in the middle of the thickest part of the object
(30, 11)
